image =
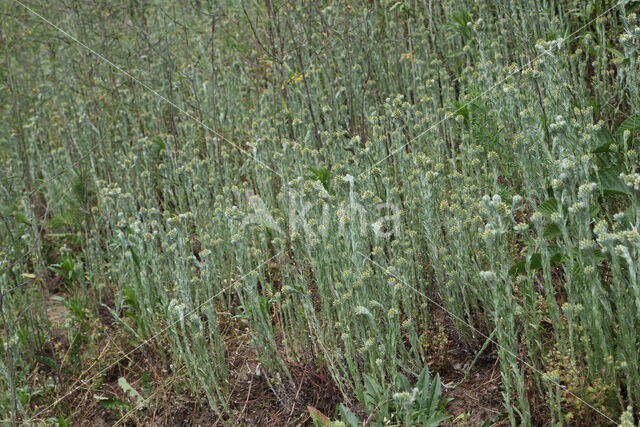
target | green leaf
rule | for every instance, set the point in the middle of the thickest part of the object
(551, 231)
(536, 262)
(319, 419)
(605, 140)
(61, 421)
(146, 385)
(616, 52)
(402, 382)
(132, 392)
(363, 311)
(434, 396)
(629, 216)
(21, 218)
(320, 174)
(47, 361)
(134, 255)
(503, 416)
(349, 417)
(159, 143)
(112, 403)
(610, 181)
(371, 386)
(547, 208)
(632, 124)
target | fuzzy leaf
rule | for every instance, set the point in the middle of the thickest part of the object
(132, 392)
(349, 417)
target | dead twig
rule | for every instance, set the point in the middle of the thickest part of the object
(244, 407)
(368, 420)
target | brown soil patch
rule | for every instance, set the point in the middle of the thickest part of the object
(476, 399)
(57, 314)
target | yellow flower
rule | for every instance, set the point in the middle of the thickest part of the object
(293, 79)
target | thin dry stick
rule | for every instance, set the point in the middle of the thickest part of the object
(293, 407)
(306, 87)
(368, 420)
(539, 93)
(245, 401)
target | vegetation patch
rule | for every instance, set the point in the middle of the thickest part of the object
(322, 213)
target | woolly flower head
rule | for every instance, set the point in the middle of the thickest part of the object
(556, 217)
(176, 307)
(585, 190)
(556, 184)
(377, 228)
(521, 227)
(567, 163)
(619, 217)
(322, 192)
(405, 399)
(559, 124)
(631, 180)
(537, 218)
(626, 419)
(586, 244)
(601, 227)
(368, 343)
